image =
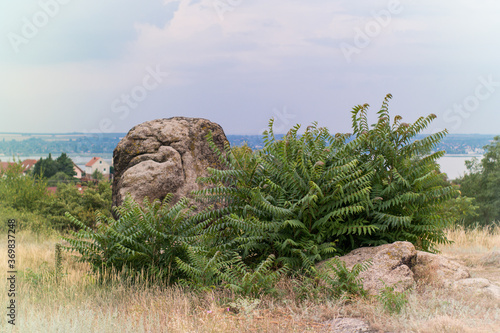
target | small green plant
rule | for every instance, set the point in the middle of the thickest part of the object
(307, 287)
(37, 278)
(340, 281)
(58, 263)
(392, 300)
(250, 282)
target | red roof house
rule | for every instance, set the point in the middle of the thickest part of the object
(5, 165)
(96, 163)
(28, 164)
(52, 189)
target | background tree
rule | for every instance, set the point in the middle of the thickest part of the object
(483, 183)
(97, 175)
(65, 164)
(61, 177)
(49, 167)
(45, 167)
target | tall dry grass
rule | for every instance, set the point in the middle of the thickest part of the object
(79, 304)
(472, 240)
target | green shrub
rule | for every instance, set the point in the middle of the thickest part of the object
(20, 191)
(61, 177)
(28, 197)
(25, 221)
(206, 272)
(143, 239)
(84, 206)
(407, 192)
(307, 197)
(294, 199)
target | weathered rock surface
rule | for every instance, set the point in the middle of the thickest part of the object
(438, 270)
(165, 156)
(391, 264)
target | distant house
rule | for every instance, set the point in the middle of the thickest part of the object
(52, 190)
(5, 165)
(79, 172)
(97, 163)
(28, 164)
(81, 188)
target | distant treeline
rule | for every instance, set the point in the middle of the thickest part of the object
(106, 143)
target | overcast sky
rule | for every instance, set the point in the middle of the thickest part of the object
(87, 66)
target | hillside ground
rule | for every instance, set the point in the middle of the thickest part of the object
(76, 303)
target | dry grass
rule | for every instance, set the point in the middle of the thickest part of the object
(478, 240)
(79, 304)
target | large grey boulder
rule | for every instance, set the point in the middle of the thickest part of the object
(165, 156)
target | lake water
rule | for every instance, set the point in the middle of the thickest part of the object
(452, 165)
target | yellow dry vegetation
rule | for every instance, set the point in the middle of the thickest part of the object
(79, 304)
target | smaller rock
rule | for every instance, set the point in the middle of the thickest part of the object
(491, 259)
(436, 269)
(390, 266)
(479, 285)
(348, 325)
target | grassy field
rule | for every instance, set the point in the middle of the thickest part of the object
(76, 303)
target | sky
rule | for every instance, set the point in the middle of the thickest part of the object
(105, 66)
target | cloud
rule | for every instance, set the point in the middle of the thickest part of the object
(235, 64)
(70, 31)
